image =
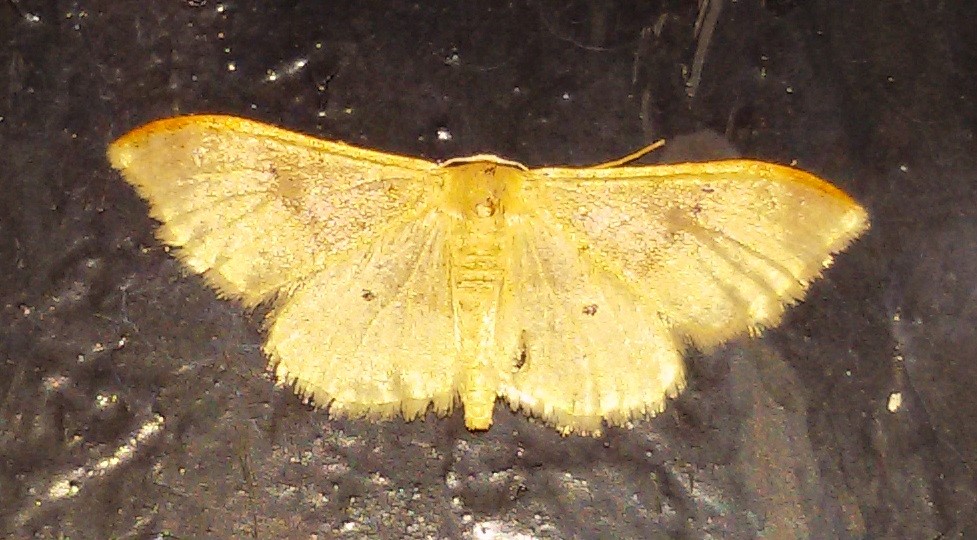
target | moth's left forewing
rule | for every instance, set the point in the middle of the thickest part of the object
(254, 208)
(347, 242)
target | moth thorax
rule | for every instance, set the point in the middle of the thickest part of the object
(482, 191)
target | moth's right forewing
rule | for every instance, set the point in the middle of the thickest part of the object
(721, 247)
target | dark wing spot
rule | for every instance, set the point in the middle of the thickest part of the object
(520, 359)
(522, 354)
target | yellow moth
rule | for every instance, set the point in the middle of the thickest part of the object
(399, 285)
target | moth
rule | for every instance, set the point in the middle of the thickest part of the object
(400, 285)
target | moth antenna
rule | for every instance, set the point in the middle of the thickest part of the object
(632, 156)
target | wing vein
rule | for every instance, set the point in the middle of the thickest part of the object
(705, 235)
(208, 204)
(410, 276)
(228, 224)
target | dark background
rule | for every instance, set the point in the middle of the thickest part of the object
(134, 403)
